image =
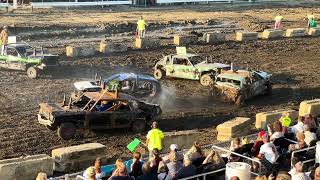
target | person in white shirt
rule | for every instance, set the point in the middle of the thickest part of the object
(268, 153)
(298, 127)
(297, 172)
(277, 128)
(309, 136)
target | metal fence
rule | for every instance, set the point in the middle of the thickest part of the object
(76, 3)
(302, 150)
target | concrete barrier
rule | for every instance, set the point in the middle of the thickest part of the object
(246, 36)
(184, 139)
(234, 128)
(181, 40)
(314, 32)
(74, 158)
(311, 107)
(215, 37)
(272, 34)
(80, 51)
(264, 118)
(110, 47)
(25, 168)
(147, 43)
(296, 32)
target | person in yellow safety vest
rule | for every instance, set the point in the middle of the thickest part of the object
(310, 19)
(154, 138)
(285, 122)
(141, 27)
(4, 36)
(278, 19)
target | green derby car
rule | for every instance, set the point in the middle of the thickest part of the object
(23, 57)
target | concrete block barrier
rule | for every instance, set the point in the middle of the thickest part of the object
(184, 139)
(264, 118)
(272, 34)
(296, 32)
(234, 128)
(26, 168)
(110, 47)
(310, 107)
(80, 51)
(314, 32)
(147, 43)
(215, 37)
(74, 158)
(181, 40)
(246, 36)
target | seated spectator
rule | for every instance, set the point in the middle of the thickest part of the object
(120, 173)
(155, 160)
(42, 176)
(163, 172)
(90, 173)
(261, 177)
(97, 168)
(235, 144)
(215, 159)
(309, 136)
(294, 162)
(309, 120)
(235, 147)
(268, 153)
(282, 175)
(195, 154)
(256, 147)
(147, 173)
(234, 178)
(299, 174)
(298, 127)
(173, 148)
(277, 131)
(174, 166)
(187, 170)
(301, 143)
(317, 174)
(136, 166)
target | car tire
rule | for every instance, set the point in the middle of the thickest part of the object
(269, 89)
(206, 80)
(32, 72)
(66, 131)
(159, 74)
(240, 101)
(51, 128)
(138, 126)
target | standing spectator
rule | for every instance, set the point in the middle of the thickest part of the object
(4, 35)
(174, 166)
(188, 169)
(278, 20)
(301, 143)
(256, 147)
(136, 166)
(298, 127)
(310, 18)
(268, 153)
(155, 160)
(141, 27)
(173, 148)
(309, 136)
(90, 173)
(147, 173)
(163, 172)
(154, 138)
(42, 176)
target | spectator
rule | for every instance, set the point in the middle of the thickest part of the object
(42, 176)
(299, 174)
(261, 177)
(309, 120)
(277, 131)
(163, 172)
(301, 143)
(4, 36)
(283, 176)
(97, 168)
(309, 136)
(256, 147)
(173, 148)
(235, 147)
(298, 127)
(187, 170)
(155, 160)
(214, 158)
(154, 138)
(317, 174)
(120, 173)
(234, 178)
(174, 166)
(294, 161)
(268, 153)
(90, 173)
(147, 173)
(136, 166)
(195, 152)
(235, 144)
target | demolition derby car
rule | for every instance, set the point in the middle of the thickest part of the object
(21, 56)
(141, 86)
(96, 111)
(240, 85)
(188, 66)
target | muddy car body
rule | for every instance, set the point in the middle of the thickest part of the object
(141, 86)
(238, 86)
(21, 56)
(120, 111)
(188, 66)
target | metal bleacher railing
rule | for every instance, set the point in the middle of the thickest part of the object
(302, 150)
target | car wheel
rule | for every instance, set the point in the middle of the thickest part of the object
(32, 72)
(51, 128)
(138, 126)
(269, 89)
(240, 101)
(66, 131)
(206, 80)
(159, 74)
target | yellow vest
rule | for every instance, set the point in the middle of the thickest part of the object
(141, 25)
(155, 137)
(278, 18)
(310, 17)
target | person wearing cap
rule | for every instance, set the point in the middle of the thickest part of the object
(154, 138)
(256, 146)
(173, 149)
(4, 36)
(278, 20)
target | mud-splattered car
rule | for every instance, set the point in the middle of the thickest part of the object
(238, 86)
(95, 111)
(141, 86)
(23, 57)
(188, 66)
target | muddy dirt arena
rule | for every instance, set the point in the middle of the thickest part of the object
(294, 64)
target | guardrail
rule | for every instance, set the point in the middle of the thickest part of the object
(188, 1)
(70, 4)
(301, 150)
(203, 175)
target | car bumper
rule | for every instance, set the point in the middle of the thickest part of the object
(44, 121)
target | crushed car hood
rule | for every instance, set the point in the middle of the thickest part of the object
(263, 74)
